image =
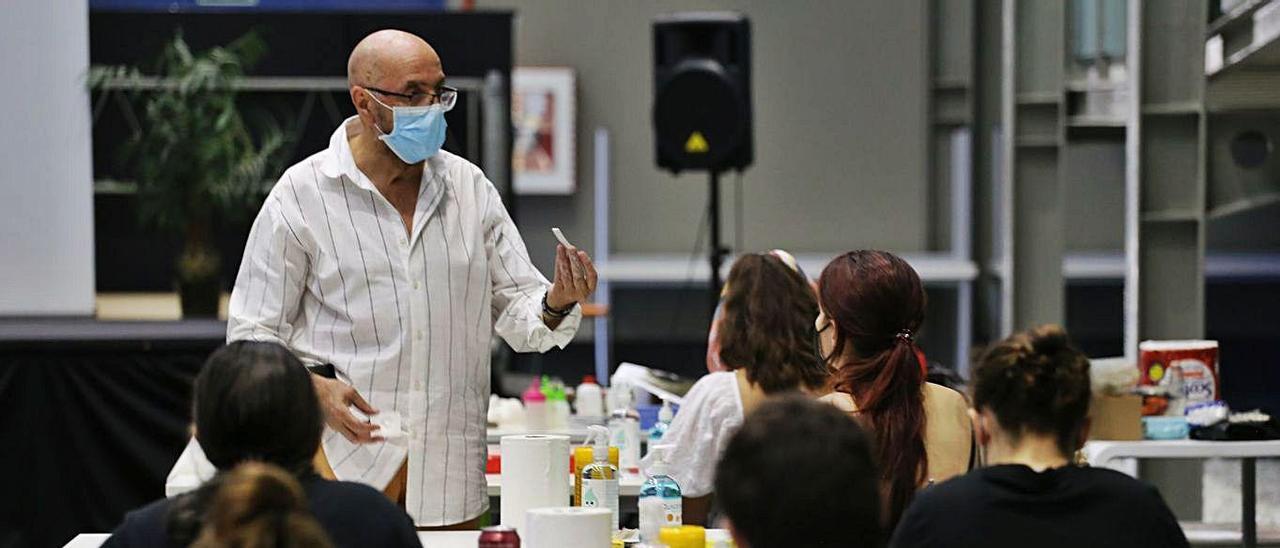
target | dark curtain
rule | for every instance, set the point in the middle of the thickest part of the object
(88, 434)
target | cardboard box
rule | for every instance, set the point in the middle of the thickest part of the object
(1117, 418)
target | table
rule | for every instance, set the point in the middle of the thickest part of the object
(430, 539)
(1107, 454)
(193, 468)
(628, 485)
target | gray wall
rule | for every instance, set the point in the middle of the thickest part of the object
(840, 117)
(46, 190)
(1094, 175)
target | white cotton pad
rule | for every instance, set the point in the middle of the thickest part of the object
(389, 425)
(560, 236)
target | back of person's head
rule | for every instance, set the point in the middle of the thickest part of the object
(1036, 382)
(766, 325)
(876, 303)
(254, 400)
(800, 473)
(259, 505)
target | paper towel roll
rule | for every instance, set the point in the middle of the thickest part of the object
(576, 527)
(535, 474)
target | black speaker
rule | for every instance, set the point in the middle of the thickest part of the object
(702, 91)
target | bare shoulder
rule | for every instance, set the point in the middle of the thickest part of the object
(944, 397)
(841, 401)
(944, 394)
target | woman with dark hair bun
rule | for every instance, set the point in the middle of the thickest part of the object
(766, 344)
(253, 402)
(872, 307)
(1031, 403)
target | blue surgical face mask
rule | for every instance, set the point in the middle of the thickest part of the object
(416, 133)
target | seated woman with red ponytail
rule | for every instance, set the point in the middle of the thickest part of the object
(872, 305)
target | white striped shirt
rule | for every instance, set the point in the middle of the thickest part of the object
(406, 318)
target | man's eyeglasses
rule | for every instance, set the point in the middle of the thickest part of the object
(444, 96)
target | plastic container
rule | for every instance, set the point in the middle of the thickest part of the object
(599, 479)
(581, 457)
(659, 429)
(557, 406)
(660, 501)
(535, 407)
(624, 432)
(685, 536)
(1165, 428)
(589, 399)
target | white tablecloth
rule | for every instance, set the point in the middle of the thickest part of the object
(432, 539)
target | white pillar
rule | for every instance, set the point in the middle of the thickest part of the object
(46, 171)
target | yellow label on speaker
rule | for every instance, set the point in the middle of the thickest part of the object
(697, 144)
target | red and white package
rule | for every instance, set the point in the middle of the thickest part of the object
(1196, 360)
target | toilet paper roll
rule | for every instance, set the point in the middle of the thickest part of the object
(578, 527)
(535, 474)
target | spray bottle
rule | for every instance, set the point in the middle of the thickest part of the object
(665, 416)
(624, 430)
(660, 502)
(600, 479)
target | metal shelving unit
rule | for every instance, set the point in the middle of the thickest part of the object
(1032, 231)
(1165, 173)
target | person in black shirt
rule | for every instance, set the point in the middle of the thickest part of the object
(800, 473)
(243, 396)
(1031, 399)
(259, 505)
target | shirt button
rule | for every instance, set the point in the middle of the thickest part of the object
(404, 241)
(418, 335)
(416, 285)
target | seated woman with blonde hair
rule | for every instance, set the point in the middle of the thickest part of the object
(766, 343)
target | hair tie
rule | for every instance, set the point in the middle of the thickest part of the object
(905, 336)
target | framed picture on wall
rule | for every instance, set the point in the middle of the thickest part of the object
(542, 117)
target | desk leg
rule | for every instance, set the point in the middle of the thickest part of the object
(1249, 500)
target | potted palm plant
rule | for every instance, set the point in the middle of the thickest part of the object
(195, 159)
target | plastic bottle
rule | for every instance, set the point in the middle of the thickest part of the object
(600, 479)
(535, 407)
(557, 406)
(624, 431)
(660, 502)
(686, 536)
(590, 399)
(582, 456)
(665, 416)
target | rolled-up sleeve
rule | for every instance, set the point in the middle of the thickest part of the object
(273, 272)
(518, 287)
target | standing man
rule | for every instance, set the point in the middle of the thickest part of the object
(395, 262)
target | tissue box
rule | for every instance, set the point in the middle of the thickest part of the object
(1116, 418)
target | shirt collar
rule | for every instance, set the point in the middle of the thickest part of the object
(339, 162)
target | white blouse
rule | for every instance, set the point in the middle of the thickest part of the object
(711, 413)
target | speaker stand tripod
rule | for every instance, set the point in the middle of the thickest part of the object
(716, 251)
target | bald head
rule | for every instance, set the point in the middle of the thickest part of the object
(394, 58)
